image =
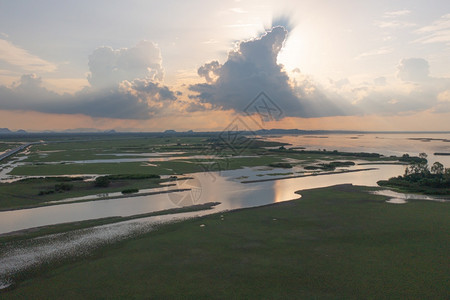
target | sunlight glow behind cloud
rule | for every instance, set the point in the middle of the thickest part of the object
(144, 61)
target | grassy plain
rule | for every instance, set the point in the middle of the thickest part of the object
(23, 194)
(334, 243)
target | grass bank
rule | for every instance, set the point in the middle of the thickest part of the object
(333, 243)
(66, 227)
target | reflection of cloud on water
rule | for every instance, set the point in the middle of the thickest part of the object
(186, 198)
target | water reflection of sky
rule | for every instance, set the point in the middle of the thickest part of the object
(386, 144)
(215, 187)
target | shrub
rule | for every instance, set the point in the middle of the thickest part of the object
(63, 187)
(102, 181)
(130, 191)
(280, 165)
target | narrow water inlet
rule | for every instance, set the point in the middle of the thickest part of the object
(401, 198)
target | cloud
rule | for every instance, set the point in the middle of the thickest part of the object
(437, 32)
(252, 68)
(443, 105)
(444, 96)
(393, 20)
(17, 59)
(109, 67)
(415, 90)
(124, 85)
(283, 20)
(413, 69)
(380, 81)
(208, 70)
(375, 52)
(138, 99)
(394, 24)
(396, 13)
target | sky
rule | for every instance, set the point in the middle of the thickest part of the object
(207, 65)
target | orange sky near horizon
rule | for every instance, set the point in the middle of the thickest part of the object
(220, 120)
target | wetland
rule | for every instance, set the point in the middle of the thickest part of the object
(50, 191)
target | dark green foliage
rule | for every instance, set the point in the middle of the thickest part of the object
(47, 192)
(51, 179)
(312, 168)
(418, 178)
(63, 187)
(413, 159)
(130, 191)
(132, 176)
(102, 181)
(281, 165)
(334, 152)
(59, 187)
(330, 166)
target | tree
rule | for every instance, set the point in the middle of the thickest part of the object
(102, 181)
(437, 168)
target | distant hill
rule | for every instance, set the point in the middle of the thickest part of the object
(170, 131)
(81, 130)
(110, 131)
(7, 131)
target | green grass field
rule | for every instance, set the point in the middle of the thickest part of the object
(333, 243)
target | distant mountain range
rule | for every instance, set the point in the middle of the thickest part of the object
(7, 131)
(171, 132)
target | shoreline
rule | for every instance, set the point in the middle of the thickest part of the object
(83, 224)
(309, 175)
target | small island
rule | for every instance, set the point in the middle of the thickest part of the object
(419, 178)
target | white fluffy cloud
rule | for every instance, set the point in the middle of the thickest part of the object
(413, 69)
(252, 68)
(109, 67)
(413, 90)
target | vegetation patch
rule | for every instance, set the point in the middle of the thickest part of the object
(419, 178)
(33, 192)
(283, 165)
(130, 191)
(330, 166)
